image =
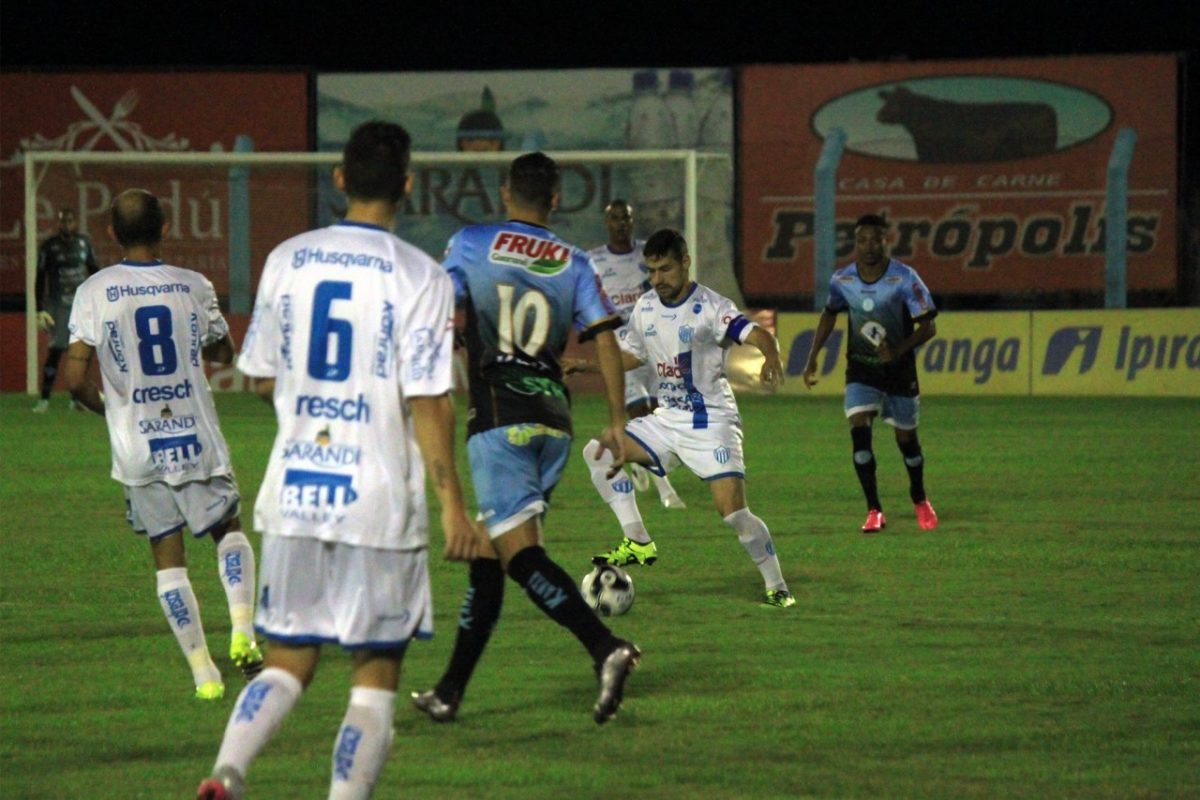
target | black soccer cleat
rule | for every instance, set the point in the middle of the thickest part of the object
(612, 672)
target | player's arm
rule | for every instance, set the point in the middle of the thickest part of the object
(264, 388)
(765, 342)
(611, 359)
(924, 329)
(221, 351)
(92, 267)
(79, 383)
(824, 328)
(573, 365)
(433, 425)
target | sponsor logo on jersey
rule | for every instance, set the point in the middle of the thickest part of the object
(322, 452)
(424, 358)
(194, 333)
(175, 453)
(116, 347)
(354, 410)
(538, 255)
(317, 255)
(696, 308)
(685, 333)
(167, 424)
(176, 608)
(159, 394)
(621, 299)
(383, 344)
(115, 293)
(285, 329)
(669, 369)
(651, 330)
(305, 489)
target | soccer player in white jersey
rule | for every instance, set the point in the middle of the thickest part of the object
(622, 273)
(351, 341)
(684, 330)
(151, 325)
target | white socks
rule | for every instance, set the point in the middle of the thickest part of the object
(259, 711)
(616, 491)
(183, 615)
(362, 743)
(235, 562)
(753, 534)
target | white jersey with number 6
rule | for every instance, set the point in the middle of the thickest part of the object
(149, 322)
(348, 319)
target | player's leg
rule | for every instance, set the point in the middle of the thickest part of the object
(152, 510)
(729, 496)
(640, 407)
(639, 387)
(862, 403)
(477, 618)
(903, 413)
(294, 615)
(646, 443)
(49, 373)
(257, 715)
(211, 508)
(365, 735)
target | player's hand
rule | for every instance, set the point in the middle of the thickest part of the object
(885, 352)
(44, 321)
(612, 439)
(570, 366)
(772, 372)
(810, 376)
(460, 535)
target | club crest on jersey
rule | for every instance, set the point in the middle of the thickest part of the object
(721, 454)
(685, 333)
(533, 253)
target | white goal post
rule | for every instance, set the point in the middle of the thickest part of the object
(681, 170)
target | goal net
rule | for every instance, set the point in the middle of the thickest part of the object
(228, 210)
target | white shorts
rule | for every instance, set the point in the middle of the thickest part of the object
(363, 598)
(711, 453)
(158, 509)
(639, 385)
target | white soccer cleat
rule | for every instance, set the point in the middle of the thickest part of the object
(42, 407)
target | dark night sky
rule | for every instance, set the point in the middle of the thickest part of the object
(488, 35)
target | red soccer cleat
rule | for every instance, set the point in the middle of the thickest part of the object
(926, 516)
(875, 521)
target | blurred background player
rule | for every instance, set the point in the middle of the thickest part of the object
(351, 340)
(65, 260)
(685, 330)
(152, 324)
(522, 288)
(622, 273)
(480, 131)
(891, 315)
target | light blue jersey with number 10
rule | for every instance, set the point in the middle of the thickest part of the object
(347, 320)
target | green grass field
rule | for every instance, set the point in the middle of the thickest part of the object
(1044, 642)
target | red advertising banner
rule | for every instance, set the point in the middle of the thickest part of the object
(149, 112)
(992, 173)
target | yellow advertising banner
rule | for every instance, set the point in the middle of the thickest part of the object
(1118, 352)
(973, 353)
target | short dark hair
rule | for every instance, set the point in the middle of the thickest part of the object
(375, 161)
(534, 178)
(617, 201)
(873, 220)
(666, 242)
(137, 218)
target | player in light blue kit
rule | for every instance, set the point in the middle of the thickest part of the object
(891, 315)
(523, 289)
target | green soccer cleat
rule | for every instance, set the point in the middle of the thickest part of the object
(779, 598)
(628, 552)
(245, 655)
(213, 690)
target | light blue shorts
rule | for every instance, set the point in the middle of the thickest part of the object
(899, 412)
(514, 469)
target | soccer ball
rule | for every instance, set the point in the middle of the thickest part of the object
(608, 589)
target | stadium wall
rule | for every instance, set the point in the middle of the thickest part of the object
(992, 172)
(1126, 352)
